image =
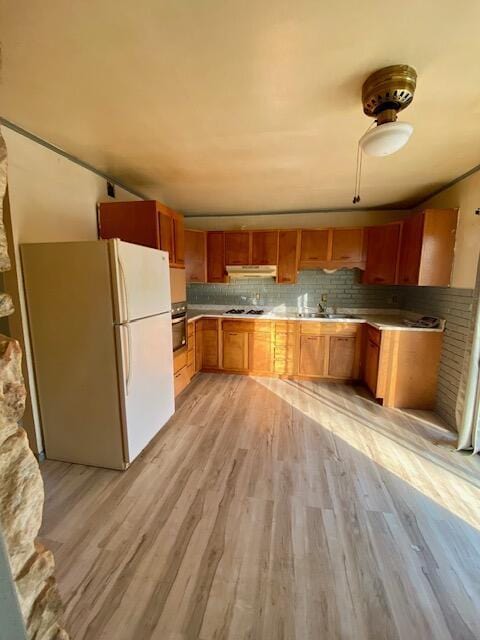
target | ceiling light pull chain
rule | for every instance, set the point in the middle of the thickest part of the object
(358, 173)
(356, 195)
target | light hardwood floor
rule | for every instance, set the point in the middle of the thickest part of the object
(270, 510)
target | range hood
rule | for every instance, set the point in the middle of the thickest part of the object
(251, 271)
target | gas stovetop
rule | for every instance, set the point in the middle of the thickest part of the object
(250, 312)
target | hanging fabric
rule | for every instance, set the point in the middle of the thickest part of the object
(468, 403)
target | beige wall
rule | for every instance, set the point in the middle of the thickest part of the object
(291, 220)
(51, 199)
(466, 196)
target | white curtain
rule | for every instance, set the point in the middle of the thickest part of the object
(469, 395)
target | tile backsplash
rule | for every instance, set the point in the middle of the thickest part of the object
(342, 288)
(455, 306)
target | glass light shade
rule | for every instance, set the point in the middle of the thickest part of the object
(386, 139)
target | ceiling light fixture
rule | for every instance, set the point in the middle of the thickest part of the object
(384, 94)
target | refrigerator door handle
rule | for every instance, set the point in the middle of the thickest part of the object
(128, 357)
(124, 289)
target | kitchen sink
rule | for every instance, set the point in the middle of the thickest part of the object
(310, 315)
(328, 316)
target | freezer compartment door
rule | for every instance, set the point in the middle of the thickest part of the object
(146, 366)
(141, 281)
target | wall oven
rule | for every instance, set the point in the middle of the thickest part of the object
(179, 325)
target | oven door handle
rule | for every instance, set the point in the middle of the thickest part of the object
(178, 320)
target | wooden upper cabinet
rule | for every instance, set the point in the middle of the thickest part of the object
(215, 256)
(237, 247)
(287, 256)
(172, 231)
(195, 255)
(382, 251)
(134, 222)
(410, 250)
(179, 239)
(314, 247)
(264, 247)
(166, 234)
(145, 222)
(347, 246)
(427, 248)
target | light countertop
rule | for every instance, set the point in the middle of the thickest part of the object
(379, 318)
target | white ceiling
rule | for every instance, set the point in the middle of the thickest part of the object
(227, 106)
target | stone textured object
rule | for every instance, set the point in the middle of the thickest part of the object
(21, 485)
(4, 258)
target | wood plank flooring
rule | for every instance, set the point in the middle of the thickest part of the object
(267, 510)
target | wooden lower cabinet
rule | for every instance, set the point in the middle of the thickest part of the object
(341, 356)
(372, 359)
(198, 345)
(235, 350)
(210, 359)
(399, 367)
(312, 355)
(260, 352)
(181, 374)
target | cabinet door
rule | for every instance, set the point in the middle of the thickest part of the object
(372, 357)
(341, 362)
(312, 355)
(210, 344)
(347, 245)
(237, 247)
(313, 247)
(382, 253)
(215, 256)
(198, 345)
(260, 352)
(235, 350)
(135, 222)
(287, 257)
(410, 250)
(264, 247)
(178, 240)
(195, 256)
(166, 235)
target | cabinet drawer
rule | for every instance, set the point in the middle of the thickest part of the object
(179, 360)
(191, 371)
(190, 357)
(181, 380)
(286, 326)
(247, 326)
(190, 329)
(209, 324)
(329, 328)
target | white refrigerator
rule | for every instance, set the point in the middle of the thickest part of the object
(99, 318)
